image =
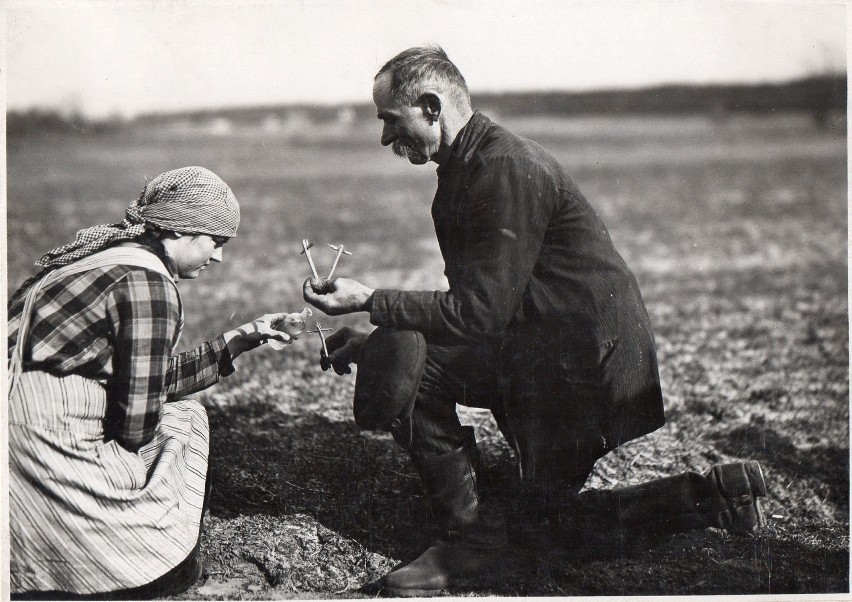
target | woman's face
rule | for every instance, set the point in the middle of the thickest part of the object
(192, 253)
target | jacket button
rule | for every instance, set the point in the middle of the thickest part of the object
(395, 423)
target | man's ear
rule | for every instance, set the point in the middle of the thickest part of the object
(431, 105)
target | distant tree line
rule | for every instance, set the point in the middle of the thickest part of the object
(815, 94)
(820, 96)
(247, 116)
(46, 121)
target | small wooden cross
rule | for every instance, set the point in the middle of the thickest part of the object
(320, 331)
(340, 251)
(305, 246)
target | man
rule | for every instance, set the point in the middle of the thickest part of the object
(543, 323)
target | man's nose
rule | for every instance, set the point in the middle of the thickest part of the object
(388, 134)
(217, 255)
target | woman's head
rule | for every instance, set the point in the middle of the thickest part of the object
(189, 203)
(189, 200)
(196, 212)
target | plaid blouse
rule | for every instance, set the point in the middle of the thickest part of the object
(119, 325)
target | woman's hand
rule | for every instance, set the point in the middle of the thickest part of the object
(269, 327)
(338, 296)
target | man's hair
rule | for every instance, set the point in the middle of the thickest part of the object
(413, 69)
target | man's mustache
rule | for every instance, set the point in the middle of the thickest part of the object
(403, 151)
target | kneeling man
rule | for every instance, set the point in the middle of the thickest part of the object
(543, 323)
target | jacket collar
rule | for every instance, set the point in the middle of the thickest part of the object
(466, 142)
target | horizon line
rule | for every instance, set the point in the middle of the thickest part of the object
(332, 104)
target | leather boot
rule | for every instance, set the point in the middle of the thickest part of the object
(472, 544)
(735, 489)
(726, 498)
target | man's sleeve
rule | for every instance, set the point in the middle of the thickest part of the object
(505, 214)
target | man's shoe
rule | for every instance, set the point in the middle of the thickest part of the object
(472, 560)
(472, 542)
(736, 488)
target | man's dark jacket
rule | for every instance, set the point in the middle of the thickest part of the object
(534, 274)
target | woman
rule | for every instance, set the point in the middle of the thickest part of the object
(107, 459)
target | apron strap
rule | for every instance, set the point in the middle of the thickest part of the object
(109, 257)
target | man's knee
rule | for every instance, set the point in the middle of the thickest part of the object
(390, 371)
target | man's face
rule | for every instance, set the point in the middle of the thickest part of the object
(412, 132)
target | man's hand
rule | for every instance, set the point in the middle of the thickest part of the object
(338, 296)
(255, 333)
(344, 347)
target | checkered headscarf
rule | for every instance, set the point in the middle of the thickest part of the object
(190, 200)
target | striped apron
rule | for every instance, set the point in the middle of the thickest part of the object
(85, 515)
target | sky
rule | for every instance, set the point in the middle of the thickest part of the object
(126, 57)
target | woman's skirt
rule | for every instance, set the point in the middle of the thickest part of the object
(88, 516)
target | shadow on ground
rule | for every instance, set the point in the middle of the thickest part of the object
(268, 462)
(320, 507)
(824, 467)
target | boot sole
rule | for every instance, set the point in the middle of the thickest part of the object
(757, 483)
(471, 582)
(390, 592)
(754, 472)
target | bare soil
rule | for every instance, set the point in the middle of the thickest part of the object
(736, 230)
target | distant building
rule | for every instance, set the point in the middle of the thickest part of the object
(219, 126)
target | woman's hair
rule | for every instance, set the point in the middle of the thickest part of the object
(152, 239)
